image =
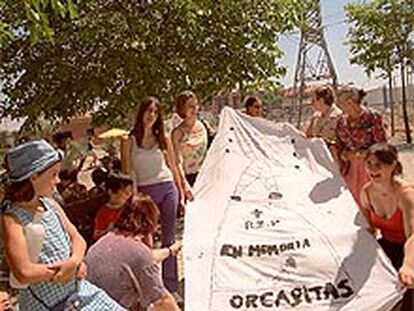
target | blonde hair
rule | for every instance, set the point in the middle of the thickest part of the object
(352, 93)
(181, 101)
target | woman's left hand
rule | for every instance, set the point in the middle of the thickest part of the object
(82, 271)
(181, 207)
(4, 301)
(66, 270)
(406, 276)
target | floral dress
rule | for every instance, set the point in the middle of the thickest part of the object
(369, 129)
(194, 148)
(45, 296)
(359, 136)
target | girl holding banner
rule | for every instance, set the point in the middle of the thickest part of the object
(387, 202)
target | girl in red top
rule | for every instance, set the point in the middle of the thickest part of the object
(387, 202)
(119, 189)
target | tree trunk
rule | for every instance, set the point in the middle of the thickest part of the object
(301, 98)
(242, 92)
(404, 104)
(390, 90)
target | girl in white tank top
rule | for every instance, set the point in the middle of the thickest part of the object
(148, 155)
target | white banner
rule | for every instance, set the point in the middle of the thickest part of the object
(274, 228)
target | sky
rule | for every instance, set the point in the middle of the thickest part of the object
(333, 17)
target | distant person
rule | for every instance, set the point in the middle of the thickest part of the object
(70, 189)
(387, 202)
(253, 106)
(190, 139)
(98, 177)
(123, 264)
(107, 164)
(119, 189)
(148, 155)
(91, 151)
(60, 140)
(357, 130)
(324, 121)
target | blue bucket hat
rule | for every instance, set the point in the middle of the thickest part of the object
(30, 158)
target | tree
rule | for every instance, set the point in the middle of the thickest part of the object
(379, 40)
(116, 52)
(34, 15)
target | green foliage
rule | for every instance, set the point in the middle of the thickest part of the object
(379, 32)
(272, 99)
(34, 17)
(380, 39)
(106, 55)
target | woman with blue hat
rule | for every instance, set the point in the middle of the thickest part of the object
(44, 250)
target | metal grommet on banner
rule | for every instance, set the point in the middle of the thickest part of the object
(236, 198)
(275, 195)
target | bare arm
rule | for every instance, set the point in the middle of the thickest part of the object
(406, 272)
(176, 137)
(17, 254)
(166, 303)
(309, 130)
(172, 164)
(365, 209)
(126, 161)
(160, 254)
(78, 243)
(68, 268)
(163, 253)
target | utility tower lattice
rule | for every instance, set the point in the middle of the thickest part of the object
(314, 63)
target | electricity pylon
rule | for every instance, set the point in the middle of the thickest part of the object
(314, 63)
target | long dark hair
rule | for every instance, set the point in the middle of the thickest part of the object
(387, 154)
(158, 127)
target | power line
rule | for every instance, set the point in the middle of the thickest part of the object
(335, 23)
